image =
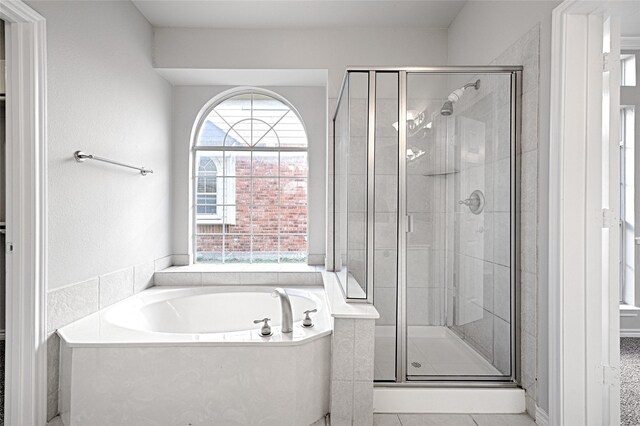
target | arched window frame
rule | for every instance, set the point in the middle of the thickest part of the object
(229, 187)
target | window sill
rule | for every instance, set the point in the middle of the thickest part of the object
(246, 267)
(624, 307)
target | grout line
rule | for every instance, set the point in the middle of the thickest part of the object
(473, 420)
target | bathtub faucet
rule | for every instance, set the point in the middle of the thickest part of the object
(285, 305)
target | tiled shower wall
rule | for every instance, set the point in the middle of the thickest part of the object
(487, 334)
(526, 51)
(74, 301)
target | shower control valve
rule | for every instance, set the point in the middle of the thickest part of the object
(307, 322)
(266, 328)
(475, 202)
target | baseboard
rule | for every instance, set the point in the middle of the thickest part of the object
(629, 333)
(448, 400)
(542, 417)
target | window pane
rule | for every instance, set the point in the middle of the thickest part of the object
(237, 190)
(265, 191)
(237, 163)
(293, 249)
(237, 219)
(293, 191)
(267, 138)
(291, 131)
(628, 69)
(268, 109)
(237, 248)
(293, 219)
(265, 248)
(265, 163)
(211, 134)
(209, 248)
(264, 219)
(293, 164)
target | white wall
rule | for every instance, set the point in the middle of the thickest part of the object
(480, 33)
(104, 98)
(332, 49)
(310, 102)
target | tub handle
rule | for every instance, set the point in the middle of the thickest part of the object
(266, 328)
(307, 322)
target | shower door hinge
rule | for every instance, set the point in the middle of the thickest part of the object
(608, 219)
(605, 62)
(610, 376)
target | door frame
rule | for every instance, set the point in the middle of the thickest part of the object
(26, 230)
(583, 325)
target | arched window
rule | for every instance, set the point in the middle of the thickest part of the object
(250, 178)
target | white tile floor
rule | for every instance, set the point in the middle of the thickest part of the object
(452, 420)
(432, 351)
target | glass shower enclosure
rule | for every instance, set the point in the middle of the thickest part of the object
(425, 218)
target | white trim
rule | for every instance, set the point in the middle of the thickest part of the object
(629, 43)
(629, 332)
(448, 400)
(542, 418)
(577, 366)
(556, 402)
(26, 380)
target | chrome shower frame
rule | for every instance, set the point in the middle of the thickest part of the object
(402, 378)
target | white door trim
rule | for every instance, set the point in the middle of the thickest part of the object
(26, 363)
(577, 288)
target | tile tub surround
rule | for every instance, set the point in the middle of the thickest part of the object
(115, 371)
(239, 274)
(72, 302)
(195, 385)
(352, 357)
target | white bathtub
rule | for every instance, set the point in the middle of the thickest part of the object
(192, 355)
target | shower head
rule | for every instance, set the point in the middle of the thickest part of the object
(447, 108)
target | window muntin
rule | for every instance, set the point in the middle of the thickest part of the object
(260, 193)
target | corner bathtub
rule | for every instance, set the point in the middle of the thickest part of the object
(193, 356)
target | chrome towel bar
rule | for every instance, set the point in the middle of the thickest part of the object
(81, 157)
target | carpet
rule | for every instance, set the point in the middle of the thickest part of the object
(630, 381)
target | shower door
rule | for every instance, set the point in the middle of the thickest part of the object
(425, 218)
(459, 202)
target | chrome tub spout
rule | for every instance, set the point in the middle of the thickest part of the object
(285, 305)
